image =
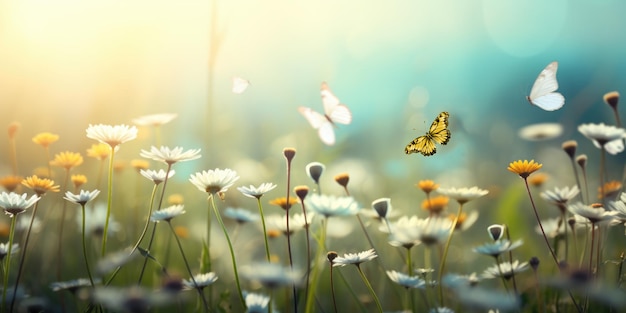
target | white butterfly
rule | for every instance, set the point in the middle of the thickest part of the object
(543, 94)
(334, 112)
(240, 85)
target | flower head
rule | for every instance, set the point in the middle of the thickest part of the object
(332, 206)
(594, 213)
(609, 190)
(67, 160)
(314, 170)
(355, 258)
(157, 176)
(167, 214)
(214, 181)
(464, 221)
(541, 131)
(200, 281)
(382, 207)
(524, 168)
(154, 119)
(498, 247)
(45, 139)
(4, 249)
(71, 285)
(405, 280)
(282, 202)
(78, 180)
(170, 156)
(505, 269)
(256, 192)
(11, 182)
(14, 204)
(427, 186)
(40, 185)
(139, 164)
(256, 303)
(83, 197)
(611, 98)
(463, 195)
(560, 195)
(435, 205)
(496, 231)
(112, 135)
(601, 135)
(279, 222)
(241, 216)
(99, 151)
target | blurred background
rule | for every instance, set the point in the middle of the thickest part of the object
(67, 64)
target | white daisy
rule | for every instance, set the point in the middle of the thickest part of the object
(167, 214)
(157, 176)
(201, 280)
(355, 258)
(505, 269)
(271, 275)
(155, 119)
(112, 135)
(463, 195)
(540, 131)
(332, 206)
(170, 156)
(241, 216)
(592, 213)
(256, 192)
(604, 136)
(405, 280)
(4, 249)
(498, 247)
(214, 181)
(14, 204)
(256, 303)
(560, 195)
(83, 197)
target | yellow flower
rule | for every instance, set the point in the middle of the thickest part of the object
(139, 164)
(282, 202)
(524, 168)
(538, 180)
(175, 199)
(67, 160)
(42, 172)
(78, 180)
(40, 185)
(435, 205)
(610, 190)
(10, 182)
(99, 151)
(182, 232)
(45, 139)
(427, 186)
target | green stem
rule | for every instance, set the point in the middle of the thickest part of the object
(267, 246)
(109, 203)
(316, 267)
(182, 253)
(85, 248)
(230, 246)
(23, 257)
(369, 287)
(445, 253)
(8, 263)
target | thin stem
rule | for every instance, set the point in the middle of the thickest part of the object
(182, 253)
(267, 246)
(508, 237)
(316, 266)
(230, 247)
(409, 264)
(332, 287)
(109, 203)
(8, 262)
(295, 294)
(369, 287)
(85, 247)
(580, 187)
(532, 202)
(442, 266)
(61, 228)
(23, 257)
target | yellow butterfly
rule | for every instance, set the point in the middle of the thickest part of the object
(438, 132)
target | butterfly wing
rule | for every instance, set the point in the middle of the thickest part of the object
(421, 144)
(438, 129)
(543, 93)
(321, 123)
(240, 85)
(336, 112)
(438, 132)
